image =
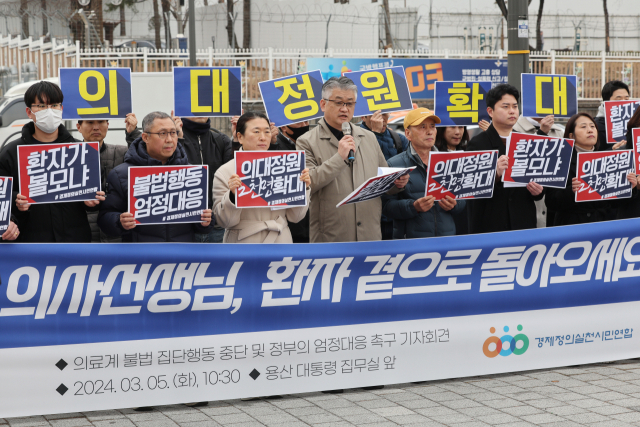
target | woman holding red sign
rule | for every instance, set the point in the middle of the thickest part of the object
(255, 225)
(583, 130)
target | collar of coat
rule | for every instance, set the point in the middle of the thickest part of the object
(324, 133)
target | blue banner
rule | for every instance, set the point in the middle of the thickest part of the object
(56, 294)
(96, 93)
(421, 74)
(549, 94)
(461, 103)
(293, 99)
(207, 91)
(383, 89)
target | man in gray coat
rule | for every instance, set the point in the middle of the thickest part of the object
(333, 178)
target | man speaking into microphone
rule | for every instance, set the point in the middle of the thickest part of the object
(334, 175)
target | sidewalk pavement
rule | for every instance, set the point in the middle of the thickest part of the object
(589, 395)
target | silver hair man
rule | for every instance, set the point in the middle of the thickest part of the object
(341, 83)
(148, 120)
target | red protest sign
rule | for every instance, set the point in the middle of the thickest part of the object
(636, 148)
(617, 115)
(270, 179)
(6, 188)
(461, 174)
(603, 175)
(537, 158)
(167, 194)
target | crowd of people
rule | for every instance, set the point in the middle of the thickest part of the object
(329, 176)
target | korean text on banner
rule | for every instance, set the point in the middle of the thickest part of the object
(376, 186)
(549, 94)
(384, 89)
(636, 148)
(207, 91)
(95, 327)
(461, 103)
(617, 115)
(270, 178)
(421, 74)
(461, 174)
(603, 175)
(52, 173)
(167, 194)
(6, 188)
(96, 93)
(293, 99)
(540, 159)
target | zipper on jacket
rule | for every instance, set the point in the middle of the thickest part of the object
(200, 145)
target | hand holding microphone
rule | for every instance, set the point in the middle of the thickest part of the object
(347, 145)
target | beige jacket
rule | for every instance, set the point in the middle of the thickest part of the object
(525, 126)
(252, 225)
(332, 180)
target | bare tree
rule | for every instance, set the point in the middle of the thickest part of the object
(232, 40)
(45, 22)
(25, 17)
(538, 32)
(98, 23)
(246, 24)
(387, 23)
(156, 23)
(607, 46)
(123, 20)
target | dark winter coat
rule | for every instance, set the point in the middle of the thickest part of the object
(116, 201)
(44, 223)
(509, 208)
(407, 221)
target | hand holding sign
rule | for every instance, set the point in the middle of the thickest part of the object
(534, 188)
(402, 181)
(447, 203)
(503, 164)
(425, 203)
(127, 221)
(22, 203)
(178, 123)
(130, 122)
(234, 183)
(100, 196)
(206, 217)
(12, 232)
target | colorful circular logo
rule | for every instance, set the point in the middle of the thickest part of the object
(505, 345)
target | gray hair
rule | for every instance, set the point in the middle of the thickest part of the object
(342, 83)
(148, 120)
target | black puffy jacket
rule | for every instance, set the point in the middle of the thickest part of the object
(50, 222)
(116, 201)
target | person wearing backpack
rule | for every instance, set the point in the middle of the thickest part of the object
(391, 144)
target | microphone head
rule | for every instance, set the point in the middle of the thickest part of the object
(346, 128)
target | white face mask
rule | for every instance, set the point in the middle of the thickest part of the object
(48, 120)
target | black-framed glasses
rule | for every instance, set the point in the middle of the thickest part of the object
(339, 104)
(164, 134)
(45, 106)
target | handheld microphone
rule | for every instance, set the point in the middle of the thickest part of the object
(346, 130)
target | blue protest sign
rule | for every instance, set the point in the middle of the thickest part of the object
(207, 91)
(536, 158)
(383, 89)
(96, 93)
(293, 99)
(167, 194)
(6, 187)
(461, 103)
(549, 94)
(52, 173)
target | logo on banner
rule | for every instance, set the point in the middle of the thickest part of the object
(549, 94)
(167, 194)
(461, 174)
(96, 93)
(270, 178)
(541, 159)
(207, 91)
(506, 344)
(603, 175)
(385, 89)
(461, 103)
(51, 173)
(617, 115)
(6, 188)
(293, 99)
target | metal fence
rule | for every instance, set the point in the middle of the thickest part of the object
(25, 60)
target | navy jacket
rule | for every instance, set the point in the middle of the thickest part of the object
(116, 201)
(387, 144)
(407, 221)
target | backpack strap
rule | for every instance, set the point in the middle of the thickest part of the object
(396, 140)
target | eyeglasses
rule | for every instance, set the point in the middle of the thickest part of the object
(163, 134)
(44, 106)
(339, 104)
